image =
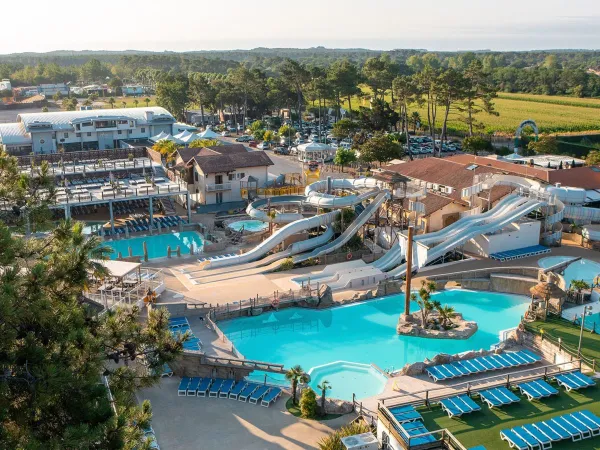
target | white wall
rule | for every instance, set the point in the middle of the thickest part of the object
(392, 442)
(232, 195)
(519, 235)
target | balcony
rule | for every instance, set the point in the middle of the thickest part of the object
(218, 187)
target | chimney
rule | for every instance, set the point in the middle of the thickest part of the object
(149, 116)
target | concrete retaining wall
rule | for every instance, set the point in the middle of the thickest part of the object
(181, 309)
(194, 365)
(511, 284)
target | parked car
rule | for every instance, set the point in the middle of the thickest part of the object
(281, 151)
(264, 145)
(252, 144)
(299, 141)
(233, 129)
(244, 138)
(225, 133)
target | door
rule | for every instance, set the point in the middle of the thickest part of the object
(219, 196)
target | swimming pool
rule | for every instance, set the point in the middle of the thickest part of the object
(366, 333)
(249, 225)
(584, 269)
(157, 244)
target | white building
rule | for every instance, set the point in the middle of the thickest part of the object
(82, 130)
(217, 174)
(315, 151)
(5, 85)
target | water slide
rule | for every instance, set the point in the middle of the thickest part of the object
(316, 195)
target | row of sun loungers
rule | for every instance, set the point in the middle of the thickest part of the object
(501, 396)
(482, 364)
(520, 253)
(415, 428)
(405, 414)
(149, 434)
(540, 436)
(213, 258)
(242, 391)
(179, 326)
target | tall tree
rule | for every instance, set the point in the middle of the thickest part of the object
(405, 92)
(201, 92)
(296, 75)
(344, 77)
(172, 93)
(479, 94)
(429, 91)
(452, 86)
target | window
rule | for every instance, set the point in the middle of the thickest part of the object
(230, 176)
(86, 124)
(241, 175)
(88, 133)
(66, 135)
(119, 132)
(143, 130)
(77, 134)
(195, 175)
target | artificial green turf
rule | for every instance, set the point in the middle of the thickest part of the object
(483, 427)
(569, 333)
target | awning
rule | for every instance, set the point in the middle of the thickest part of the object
(592, 195)
(119, 269)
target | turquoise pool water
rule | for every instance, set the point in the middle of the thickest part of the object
(592, 322)
(366, 333)
(347, 378)
(584, 269)
(249, 225)
(157, 244)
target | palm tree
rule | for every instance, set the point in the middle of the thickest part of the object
(124, 104)
(147, 100)
(414, 119)
(323, 387)
(424, 301)
(87, 102)
(111, 102)
(295, 375)
(447, 313)
(136, 102)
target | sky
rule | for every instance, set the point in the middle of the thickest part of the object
(185, 25)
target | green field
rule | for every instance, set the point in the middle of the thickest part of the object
(483, 427)
(130, 101)
(553, 114)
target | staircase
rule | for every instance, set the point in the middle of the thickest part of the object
(167, 203)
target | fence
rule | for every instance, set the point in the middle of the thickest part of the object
(86, 155)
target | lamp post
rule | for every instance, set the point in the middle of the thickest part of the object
(586, 310)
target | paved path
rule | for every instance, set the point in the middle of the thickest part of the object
(190, 423)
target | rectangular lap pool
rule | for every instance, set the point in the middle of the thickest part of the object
(365, 333)
(157, 244)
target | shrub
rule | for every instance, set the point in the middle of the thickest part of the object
(334, 440)
(308, 403)
(475, 144)
(287, 264)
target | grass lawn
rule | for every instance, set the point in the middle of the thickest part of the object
(569, 333)
(483, 427)
(130, 101)
(295, 411)
(553, 114)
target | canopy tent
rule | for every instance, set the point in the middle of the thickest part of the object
(166, 137)
(315, 151)
(119, 269)
(208, 134)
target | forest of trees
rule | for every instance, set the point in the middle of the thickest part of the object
(559, 72)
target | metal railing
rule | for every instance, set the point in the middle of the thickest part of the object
(218, 187)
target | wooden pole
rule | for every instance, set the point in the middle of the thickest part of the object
(409, 258)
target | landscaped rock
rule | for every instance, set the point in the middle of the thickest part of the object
(335, 406)
(411, 325)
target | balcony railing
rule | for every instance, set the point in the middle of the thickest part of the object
(218, 187)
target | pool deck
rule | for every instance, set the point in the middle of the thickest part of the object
(242, 288)
(211, 424)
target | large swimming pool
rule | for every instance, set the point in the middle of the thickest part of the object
(583, 269)
(157, 244)
(249, 225)
(366, 333)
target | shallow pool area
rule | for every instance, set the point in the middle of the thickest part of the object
(157, 244)
(365, 333)
(347, 378)
(583, 269)
(252, 226)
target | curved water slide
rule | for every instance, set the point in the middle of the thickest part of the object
(297, 223)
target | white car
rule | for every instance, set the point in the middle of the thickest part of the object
(225, 134)
(263, 146)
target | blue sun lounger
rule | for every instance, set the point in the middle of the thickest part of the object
(204, 386)
(574, 380)
(239, 387)
(216, 387)
(183, 385)
(225, 388)
(534, 442)
(459, 405)
(166, 372)
(537, 389)
(541, 437)
(271, 397)
(514, 440)
(175, 322)
(414, 429)
(558, 422)
(258, 394)
(497, 397)
(588, 422)
(553, 432)
(247, 392)
(581, 428)
(193, 386)
(405, 414)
